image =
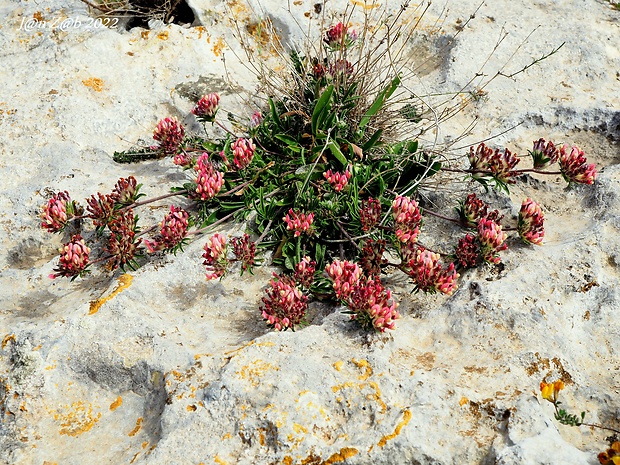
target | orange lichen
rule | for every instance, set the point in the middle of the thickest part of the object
(219, 461)
(345, 453)
(116, 404)
(77, 418)
(365, 5)
(338, 365)
(134, 431)
(124, 281)
(94, 83)
(163, 35)
(342, 386)
(7, 339)
(364, 365)
(463, 401)
(377, 396)
(191, 408)
(218, 47)
(255, 370)
(399, 427)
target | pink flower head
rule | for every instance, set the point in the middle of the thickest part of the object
(243, 151)
(299, 222)
(285, 305)
(244, 251)
(122, 244)
(341, 67)
(304, 272)
(58, 211)
(101, 209)
(209, 181)
(345, 276)
(531, 221)
(574, 166)
(467, 251)
(170, 134)
(215, 257)
(501, 165)
(207, 107)
(339, 36)
(183, 159)
(372, 305)
(406, 218)
(479, 160)
(173, 231)
(73, 259)
(472, 210)
(492, 240)
(126, 191)
(544, 155)
(428, 275)
(371, 257)
(256, 119)
(337, 180)
(370, 214)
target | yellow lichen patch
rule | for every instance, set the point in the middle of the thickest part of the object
(338, 365)
(51, 367)
(145, 34)
(399, 427)
(287, 460)
(342, 386)
(345, 453)
(365, 5)
(134, 431)
(191, 408)
(363, 364)
(299, 428)
(124, 281)
(94, 83)
(255, 370)
(163, 35)
(377, 396)
(197, 356)
(218, 47)
(8, 338)
(227, 436)
(76, 419)
(219, 461)
(116, 404)
(463, 401)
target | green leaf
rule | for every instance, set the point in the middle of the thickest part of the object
(335, 150)
(383, 96)
(373, 140)
(286, 139)
(322, 105)
(274, 113)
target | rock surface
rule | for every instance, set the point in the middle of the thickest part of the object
(160, 366)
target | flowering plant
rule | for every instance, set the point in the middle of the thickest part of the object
(331, 172)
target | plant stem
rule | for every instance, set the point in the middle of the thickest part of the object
(432, 213)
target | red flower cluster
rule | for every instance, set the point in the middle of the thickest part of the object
(338, 36)
(337, 180)
(299, 222)
(122, 244)
(173, 231)
(304, 272)
(574, 166)
(544, 155)
(215, 257)
(485, 162)
(243, 152)
(207, 107)
(407, 219)
(285, 305)
(427, 273)
(73, 259)
(209, 181)
(244, 251)
(370, 214)
(125, 191)
(170, 134)
(58, 211)
(531, 219)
